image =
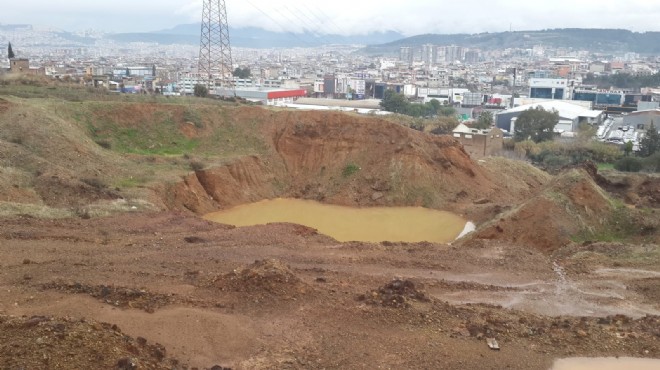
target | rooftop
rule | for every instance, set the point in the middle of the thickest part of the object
(566, 110)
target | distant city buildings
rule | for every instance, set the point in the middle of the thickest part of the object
(467, 78)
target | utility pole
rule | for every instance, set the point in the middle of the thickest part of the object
(214, 47)
(513, 87)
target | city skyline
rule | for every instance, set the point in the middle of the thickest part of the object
(341, 17)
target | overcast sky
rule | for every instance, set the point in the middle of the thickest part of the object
(409, 17)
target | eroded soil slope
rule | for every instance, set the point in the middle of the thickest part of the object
(95, 158)
(351, 160)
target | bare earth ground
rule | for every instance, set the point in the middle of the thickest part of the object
(192, 290)
(105, 261)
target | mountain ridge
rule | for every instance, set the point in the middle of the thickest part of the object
(595, 39)
(255, 37)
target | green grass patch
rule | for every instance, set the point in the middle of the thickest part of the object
(350, 170)
(620, 227)
(605, 166)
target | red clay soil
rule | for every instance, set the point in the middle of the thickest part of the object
(571, 204)
(171, 290)
(146, 289)
(310, 150)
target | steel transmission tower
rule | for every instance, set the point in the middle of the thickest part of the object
(215, 60)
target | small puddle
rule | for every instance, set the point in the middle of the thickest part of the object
(606, 363)
(374, 224)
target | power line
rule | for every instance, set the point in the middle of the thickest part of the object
(325, 16)
(278, 23)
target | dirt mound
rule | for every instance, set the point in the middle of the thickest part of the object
(649, 288)
(263, 277)
(571, 204)
(58, 190)
(116, 296)
(641, 190)
(52, 343)
(397, 293)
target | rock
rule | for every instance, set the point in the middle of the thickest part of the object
(126, 364)
(194, 239)
(492, 344)
(34, 321)
(482, 201)
(377, 195)
(581, 333)
(141, 341)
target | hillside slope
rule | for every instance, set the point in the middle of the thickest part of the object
(79, 156)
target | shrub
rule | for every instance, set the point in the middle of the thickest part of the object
(104, 144)
(197, 165)
(628, 164)
(528, 148)
(508, 144)
(350, 170)
(201, 91)
(95, 183)
(554, 161)
(652, 163)
(191, 115)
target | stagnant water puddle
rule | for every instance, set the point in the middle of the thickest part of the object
(607, 363)
(374, 224)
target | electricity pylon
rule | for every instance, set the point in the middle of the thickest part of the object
(215, 62)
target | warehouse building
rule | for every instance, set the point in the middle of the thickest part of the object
(570, 115)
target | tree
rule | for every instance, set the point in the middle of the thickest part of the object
(447, 111)
(485, 120)
(434, 106)
(628, 147)
(586, 132)
(10, 52)
(201, 91)
(650, 144)
(536, 124)
(242, 73)
(394, 102)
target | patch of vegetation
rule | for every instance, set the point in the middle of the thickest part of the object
(197, 165)
(104, 143)
(553, 155)
(193, 116)
(629, 164)
(397, 103)
(621, 226)
(95, 182)
(536, 124)
(605, 166)
(201, 91)
(350, 169)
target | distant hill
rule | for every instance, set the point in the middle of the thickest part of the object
(254, 37)
(605, 40)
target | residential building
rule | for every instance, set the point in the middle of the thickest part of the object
(479, 143)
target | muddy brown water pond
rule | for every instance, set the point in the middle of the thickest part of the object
(374, 224)
(607, 363)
